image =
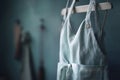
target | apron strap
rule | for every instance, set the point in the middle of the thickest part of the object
(64, 17)
(90, 8)
(98, 24)
(70, 11)
(103, 24)
(100, 28)
(92, 5)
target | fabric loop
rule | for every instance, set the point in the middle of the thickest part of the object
(70, 11)
(90, 8)
(64, 17)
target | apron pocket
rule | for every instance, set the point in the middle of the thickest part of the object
(91, 72)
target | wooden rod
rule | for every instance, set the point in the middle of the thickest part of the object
(84, 8)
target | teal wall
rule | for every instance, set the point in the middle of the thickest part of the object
(30, 12)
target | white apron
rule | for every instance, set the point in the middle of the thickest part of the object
(26, 73)
(80, 57)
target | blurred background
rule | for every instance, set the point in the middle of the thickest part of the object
(29, 12)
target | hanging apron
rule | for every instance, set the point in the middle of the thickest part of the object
(80, 57)
(18, 43)
(27, 71)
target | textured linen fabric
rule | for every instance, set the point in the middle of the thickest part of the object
(80, 57)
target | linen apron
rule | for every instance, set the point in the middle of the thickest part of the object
(25, 68)
(80, 57)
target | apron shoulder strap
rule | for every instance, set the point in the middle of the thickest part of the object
(98, 24)
(90, 8)
(64, 17)
(69, 12)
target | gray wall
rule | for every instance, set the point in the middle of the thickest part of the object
(30, 12)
